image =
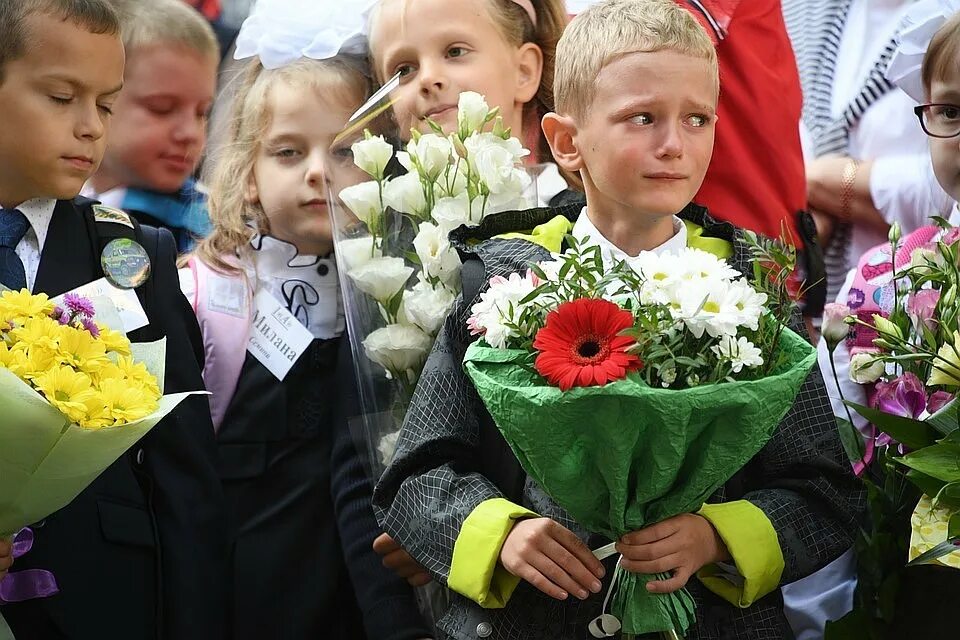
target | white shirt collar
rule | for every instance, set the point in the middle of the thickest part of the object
(38, 213)
(109, 198)
(611, 254)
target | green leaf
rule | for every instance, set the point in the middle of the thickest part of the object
(851, 439)
(912, 433)
(941, 461)
(926, 484)
(947, 420)
(953, 528)
(852, 626)
(949, 495)
(412, 256)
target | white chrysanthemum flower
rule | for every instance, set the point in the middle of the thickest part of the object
(739, 352)
(492, 313)
(748, 301)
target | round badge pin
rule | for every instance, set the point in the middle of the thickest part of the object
(125, 263)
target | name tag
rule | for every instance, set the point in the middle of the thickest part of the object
(277, 339)
(131, 315)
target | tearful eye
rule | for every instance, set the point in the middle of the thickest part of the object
(698, 120)
(642, 118)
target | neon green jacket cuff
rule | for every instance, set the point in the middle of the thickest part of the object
(475, 571)
(754, 547)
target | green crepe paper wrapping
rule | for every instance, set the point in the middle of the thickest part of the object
(626, 455)
(46, 462)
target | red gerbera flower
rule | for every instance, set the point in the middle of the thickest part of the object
(580, 345)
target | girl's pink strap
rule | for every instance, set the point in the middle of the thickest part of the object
(527, 6)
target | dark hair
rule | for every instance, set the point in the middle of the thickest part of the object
(97, 16)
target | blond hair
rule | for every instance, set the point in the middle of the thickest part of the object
(235, 220)
(614, 28)
(943, 53)
(165, 22)
(514, 24)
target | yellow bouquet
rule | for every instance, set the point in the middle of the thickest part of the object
(75, 394)
(82, 367)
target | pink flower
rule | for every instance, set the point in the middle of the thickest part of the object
(938, 400)
(921, 306)
(835, 327)
(904, 396)
(951, 236)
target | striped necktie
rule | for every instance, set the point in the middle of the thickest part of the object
(13, 226)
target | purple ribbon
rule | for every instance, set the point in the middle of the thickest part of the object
(29, 583)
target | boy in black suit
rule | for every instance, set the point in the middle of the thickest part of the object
(139, 554)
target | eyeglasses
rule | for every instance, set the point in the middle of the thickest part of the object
(939, 120)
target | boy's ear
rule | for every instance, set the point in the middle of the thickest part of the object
(561, 134)
(529, 72)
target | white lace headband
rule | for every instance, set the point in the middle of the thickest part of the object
(920, 24)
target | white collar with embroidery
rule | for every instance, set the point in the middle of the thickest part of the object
(306, 285)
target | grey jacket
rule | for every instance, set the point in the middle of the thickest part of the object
(450, 458)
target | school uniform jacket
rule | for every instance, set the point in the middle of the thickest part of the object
(140, 554)
(451, 458)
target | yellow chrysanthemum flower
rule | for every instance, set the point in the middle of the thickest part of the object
(67, 390)
(947, 364)
(98, 413)
(18, 306)
(40, 332)
(81, 350)
(127, 403)
(137, 373)
(114, 340)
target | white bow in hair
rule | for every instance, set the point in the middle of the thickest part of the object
(920, 23)
(283, 31)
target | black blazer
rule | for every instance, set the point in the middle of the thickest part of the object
(140, 554)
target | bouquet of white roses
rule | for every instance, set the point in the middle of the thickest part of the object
(399, 273)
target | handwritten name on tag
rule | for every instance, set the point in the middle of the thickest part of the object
(277, 339)
(130, 311)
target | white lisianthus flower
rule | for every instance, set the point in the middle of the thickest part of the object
(472, 111)
(364, 201)
(478, 141)
(865, 368)
(437, 257)
(923, 259)
(356, 252)
(453, 182)
(450, 213)
(491, 315)
(427, 307)
(511, 200)
(495, 168)
(372, 155)
(432, 153)
(398, 348)
(739, 352)
(381, 278)
(405, 194)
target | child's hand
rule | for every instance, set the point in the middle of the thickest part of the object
(681, 545)
(6, 556)
(400, 562)
(551, 558)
